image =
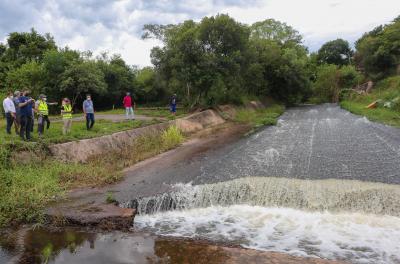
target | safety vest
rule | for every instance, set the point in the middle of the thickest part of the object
(43, 108)
(67, 113)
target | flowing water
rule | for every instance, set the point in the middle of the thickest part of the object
(322, 183)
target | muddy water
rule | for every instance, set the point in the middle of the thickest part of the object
(69, 245)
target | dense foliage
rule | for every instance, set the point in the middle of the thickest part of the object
(31, 61)
(378, 51)
(336, 52)
(216, 60)
(219, 60)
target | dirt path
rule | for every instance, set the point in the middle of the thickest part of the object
(114, 118)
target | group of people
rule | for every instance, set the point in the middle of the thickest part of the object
(20, 110)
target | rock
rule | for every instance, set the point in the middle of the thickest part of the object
(256, 105)
(104, 216)
(181, 251)
(198, 121)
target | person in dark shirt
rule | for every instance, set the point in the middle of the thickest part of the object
(172, 104)
(17, 121)
(26, 104)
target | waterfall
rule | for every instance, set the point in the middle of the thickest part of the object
(334, 195)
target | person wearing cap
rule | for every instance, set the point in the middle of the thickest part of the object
(17, 120)
(42, 110)
(66, 113)
(129, 106)
(9, 110)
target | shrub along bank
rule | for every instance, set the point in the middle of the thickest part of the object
(27, 186)
(387, 95)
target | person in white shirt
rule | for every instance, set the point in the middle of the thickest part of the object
(9, 110)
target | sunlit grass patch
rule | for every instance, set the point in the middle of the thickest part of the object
(260, 117)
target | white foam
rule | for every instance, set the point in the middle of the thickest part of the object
(354, 237)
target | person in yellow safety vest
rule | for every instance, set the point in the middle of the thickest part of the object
(42, 110)
(66, 113)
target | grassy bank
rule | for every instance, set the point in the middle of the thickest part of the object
(29, 185)
(78, 131)
(151, 112)
(260, 117)
(385, 91)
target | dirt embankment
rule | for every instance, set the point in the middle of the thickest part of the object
(91, 211)
(82, 150)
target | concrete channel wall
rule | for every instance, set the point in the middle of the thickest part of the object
(82, 150)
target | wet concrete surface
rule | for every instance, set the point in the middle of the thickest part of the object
(71, 245)
(309, 142)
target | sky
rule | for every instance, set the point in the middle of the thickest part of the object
(115, 25)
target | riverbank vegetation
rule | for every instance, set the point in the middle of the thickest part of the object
(33, 179)
(387, 95)
(376, 59)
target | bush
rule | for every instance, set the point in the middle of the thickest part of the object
(331, 80)
(172, 137)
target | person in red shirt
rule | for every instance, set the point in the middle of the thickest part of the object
(129, 105)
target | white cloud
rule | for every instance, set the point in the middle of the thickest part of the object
(322, 20)
(115, 26)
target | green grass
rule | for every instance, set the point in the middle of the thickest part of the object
(382, 115)
(171, 137)
(28, 185)
(385, 90)
(78, 130)
(151, 112)
(261, 117)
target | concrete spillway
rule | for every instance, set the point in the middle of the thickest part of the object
(322, 183)
(313, 142)
(318, 142)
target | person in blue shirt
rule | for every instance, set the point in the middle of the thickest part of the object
(26, 107)
(172, 104)
(88, 110)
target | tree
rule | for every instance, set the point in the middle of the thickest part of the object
(278, 69)
(271, 29)
(149, 87)
(55, 62)
(331, 80)
(29, 76)
(336, 52)
(378, 51)
(203, 61)
(118, 76)
(81, 78)
(27, 46)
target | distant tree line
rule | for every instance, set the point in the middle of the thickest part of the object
(32, 61)
(217, 60)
